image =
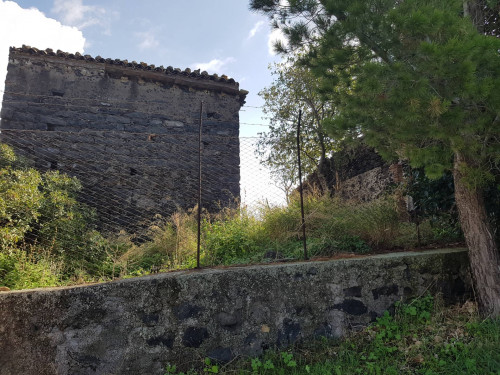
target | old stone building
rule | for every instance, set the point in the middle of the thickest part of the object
(129, 131)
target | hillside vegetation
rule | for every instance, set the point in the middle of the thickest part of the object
(48, 237)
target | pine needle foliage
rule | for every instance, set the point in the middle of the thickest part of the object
(421, 79)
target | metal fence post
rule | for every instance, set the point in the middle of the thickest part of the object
(300, 189)
(198, 245)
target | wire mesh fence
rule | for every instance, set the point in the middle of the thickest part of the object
(126, 194)
(99, 200)
(110, 194)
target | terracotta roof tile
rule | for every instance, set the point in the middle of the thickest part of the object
(135, 65)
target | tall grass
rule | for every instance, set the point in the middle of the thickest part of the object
(236, 236)
(171, 244)
(330, 219)
(233, 236)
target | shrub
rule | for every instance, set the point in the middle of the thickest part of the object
(19, 271)
(40, 212)
(20, 202)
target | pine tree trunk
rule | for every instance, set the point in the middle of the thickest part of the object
(475, 9)
(483, 252)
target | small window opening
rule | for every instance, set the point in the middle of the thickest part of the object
(133, 171)
(51, 127)
(57, 93)
(53, 164)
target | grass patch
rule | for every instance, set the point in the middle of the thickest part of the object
(20, 270)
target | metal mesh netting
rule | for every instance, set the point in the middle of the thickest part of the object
(119, 189)
(116, 189)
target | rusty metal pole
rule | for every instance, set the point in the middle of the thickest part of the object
(304, 239)
(198, 246)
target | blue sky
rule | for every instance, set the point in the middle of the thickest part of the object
(219, 36)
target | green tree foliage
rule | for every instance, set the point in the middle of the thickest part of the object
(424, 82)
(295, 88)
(40, 219)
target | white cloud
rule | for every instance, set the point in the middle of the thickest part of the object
(87, 44)
(214, 66)
(147, 40)
(255, 29)
(74, 13)
(274, 36)
(20, 26)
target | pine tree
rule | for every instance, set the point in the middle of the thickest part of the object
(425, 81)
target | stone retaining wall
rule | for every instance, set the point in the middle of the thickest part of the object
(136, 326)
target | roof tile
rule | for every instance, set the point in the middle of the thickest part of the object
(134, 65)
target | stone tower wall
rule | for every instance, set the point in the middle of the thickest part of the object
(128, 131)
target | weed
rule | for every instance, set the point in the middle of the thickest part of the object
(257, 365)
(19, 270)
(210, 368)
(172, 370)
(233, 238)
